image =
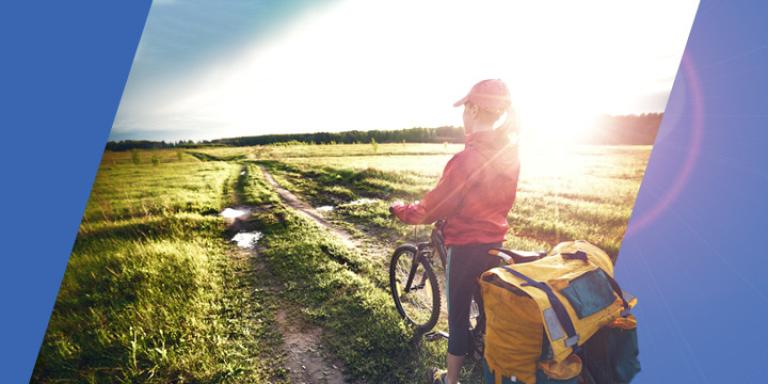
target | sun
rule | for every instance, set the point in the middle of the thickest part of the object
(561, 126)
(553, 120)
(551, 129)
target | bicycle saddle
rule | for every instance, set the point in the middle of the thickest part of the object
(517, 256)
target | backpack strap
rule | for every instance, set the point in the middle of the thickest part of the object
(557, 306)
(617, 290)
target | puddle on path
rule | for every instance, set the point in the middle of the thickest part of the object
(362, 201)
(232, 214)
(247, 239)
(325, 208)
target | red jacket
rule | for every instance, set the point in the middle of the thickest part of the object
(475, 192)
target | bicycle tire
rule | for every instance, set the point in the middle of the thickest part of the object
(410, 310)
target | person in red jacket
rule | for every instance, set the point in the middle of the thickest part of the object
(474, 195)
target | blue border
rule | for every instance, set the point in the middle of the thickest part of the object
(694, 254)
(695, 251)
(63, 68)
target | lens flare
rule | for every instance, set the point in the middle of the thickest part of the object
(681, 178)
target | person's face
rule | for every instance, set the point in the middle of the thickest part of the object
(470, 117)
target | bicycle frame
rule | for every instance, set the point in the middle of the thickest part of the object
(438, 241)
(426, 250)
(414, 265)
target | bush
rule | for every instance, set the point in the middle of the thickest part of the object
(374, 145)
(135, 157)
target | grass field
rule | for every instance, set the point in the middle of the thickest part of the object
(582, 193)
(149, 293)
(154, 292)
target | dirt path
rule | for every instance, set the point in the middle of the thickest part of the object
(305, 209)
(305, 357)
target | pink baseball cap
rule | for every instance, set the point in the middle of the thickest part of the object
(491, 95)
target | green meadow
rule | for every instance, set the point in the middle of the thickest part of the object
(584, 192)
(156, 292)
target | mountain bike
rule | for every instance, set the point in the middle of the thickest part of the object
(416, 289)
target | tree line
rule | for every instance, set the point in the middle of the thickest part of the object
(625, 130)
(609, 130)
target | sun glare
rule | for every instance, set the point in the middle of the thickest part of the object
(349, 66)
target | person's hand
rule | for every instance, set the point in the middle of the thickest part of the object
(394, 206)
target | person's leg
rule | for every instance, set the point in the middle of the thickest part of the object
(454, 366)
(465, 264)
(459, 294)
(458, 311)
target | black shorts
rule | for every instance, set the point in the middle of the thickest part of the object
(464, 265)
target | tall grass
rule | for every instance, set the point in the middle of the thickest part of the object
(152, 293)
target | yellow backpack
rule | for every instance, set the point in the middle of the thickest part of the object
(538, 314)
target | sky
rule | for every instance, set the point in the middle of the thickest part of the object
(206, 70)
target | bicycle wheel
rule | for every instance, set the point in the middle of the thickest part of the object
(417, 301)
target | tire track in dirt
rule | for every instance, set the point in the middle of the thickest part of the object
(373, 250)
(306, 210)
(306, 359)
(364, 243)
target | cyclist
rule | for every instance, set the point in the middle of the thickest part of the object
(474, 194)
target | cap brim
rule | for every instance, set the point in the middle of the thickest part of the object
(461, 102)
